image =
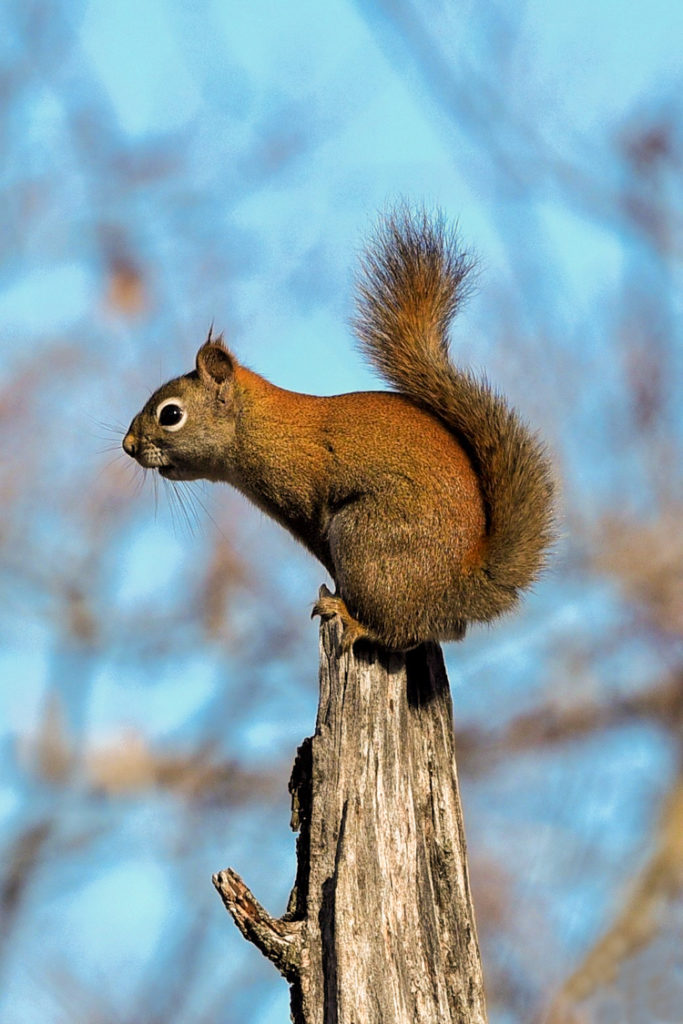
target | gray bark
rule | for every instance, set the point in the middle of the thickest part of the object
(380, 925)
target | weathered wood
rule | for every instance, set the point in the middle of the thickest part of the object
(380, 926)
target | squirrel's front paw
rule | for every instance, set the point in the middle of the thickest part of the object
(329, 604)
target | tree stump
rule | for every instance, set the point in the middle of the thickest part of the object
(380, 925)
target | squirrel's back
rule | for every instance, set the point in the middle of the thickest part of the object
(409, 290)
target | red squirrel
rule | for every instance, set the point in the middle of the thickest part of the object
(430, 506)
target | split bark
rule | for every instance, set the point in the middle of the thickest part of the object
(380, 925)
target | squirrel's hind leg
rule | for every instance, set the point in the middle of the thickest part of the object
(329, 604)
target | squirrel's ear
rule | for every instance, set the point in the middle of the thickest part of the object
(215, 365)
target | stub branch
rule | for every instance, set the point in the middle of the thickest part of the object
(278, 940)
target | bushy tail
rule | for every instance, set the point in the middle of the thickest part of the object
(410, 287)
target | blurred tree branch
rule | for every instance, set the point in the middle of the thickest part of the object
(651, 894)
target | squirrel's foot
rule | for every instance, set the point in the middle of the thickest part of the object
(329, 604)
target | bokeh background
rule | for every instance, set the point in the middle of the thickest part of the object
(166, 164)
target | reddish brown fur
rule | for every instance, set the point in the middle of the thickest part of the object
(429, 508)
(338, 463)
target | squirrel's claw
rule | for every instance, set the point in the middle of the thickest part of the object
(329, 604)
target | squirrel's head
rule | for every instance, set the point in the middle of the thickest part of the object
(186, 428)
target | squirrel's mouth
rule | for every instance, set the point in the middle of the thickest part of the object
(171, 472)
(155, 458)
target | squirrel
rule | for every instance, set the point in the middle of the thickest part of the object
(429, 505)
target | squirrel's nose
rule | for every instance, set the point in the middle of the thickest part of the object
(129, 445)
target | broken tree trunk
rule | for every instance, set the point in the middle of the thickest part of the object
(380, 925)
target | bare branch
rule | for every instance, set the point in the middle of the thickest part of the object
(279, 940)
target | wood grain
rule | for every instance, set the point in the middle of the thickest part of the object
(380, 925)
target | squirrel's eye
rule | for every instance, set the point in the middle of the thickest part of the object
(171, 415)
